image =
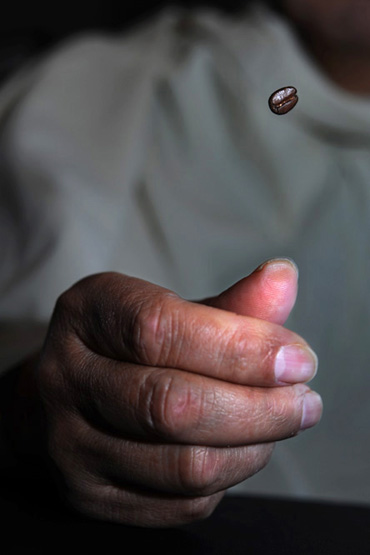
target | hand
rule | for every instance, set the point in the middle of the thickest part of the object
(155, 406)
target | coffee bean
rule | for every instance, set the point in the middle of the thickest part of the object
(283, 100)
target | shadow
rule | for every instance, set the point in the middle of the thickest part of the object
(34, 520)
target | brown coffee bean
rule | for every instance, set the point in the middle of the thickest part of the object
(283, 100)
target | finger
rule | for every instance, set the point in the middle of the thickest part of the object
(127, 319)
(175, 406)
(176, 469)
(137, 507)
(268, 293)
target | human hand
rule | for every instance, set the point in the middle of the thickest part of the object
(155, 405)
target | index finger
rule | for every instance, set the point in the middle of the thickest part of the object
(129, 319)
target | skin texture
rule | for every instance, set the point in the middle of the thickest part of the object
(152, 406)
(337, 33)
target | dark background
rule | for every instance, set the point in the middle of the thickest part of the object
(59, 18)
(26, 29)
(29, 28)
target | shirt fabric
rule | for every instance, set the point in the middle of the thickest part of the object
(155, 154)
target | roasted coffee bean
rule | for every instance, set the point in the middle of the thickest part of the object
(283, 100)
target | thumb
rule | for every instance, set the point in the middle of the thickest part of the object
(268, 293)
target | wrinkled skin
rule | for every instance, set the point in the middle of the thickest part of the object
(153, 406)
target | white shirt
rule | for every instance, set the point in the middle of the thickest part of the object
(155, 154)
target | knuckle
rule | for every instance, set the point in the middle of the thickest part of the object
(80, 305)
(249, 355)
(87, 497)
(63, 303)
(170, 403)
(153, 396)
(199, 471)
(155, 329)
(62, 366)
(121, 506)
(66, 306)
(199, 508)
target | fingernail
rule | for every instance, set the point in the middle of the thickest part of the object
(277, 262)
(295, 363)
(312, 410)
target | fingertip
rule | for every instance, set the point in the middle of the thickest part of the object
(277, 282)
(268, 293)
(295, 363)
(276, 264)
(312, 410)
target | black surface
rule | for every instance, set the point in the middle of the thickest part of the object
(34, 521)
